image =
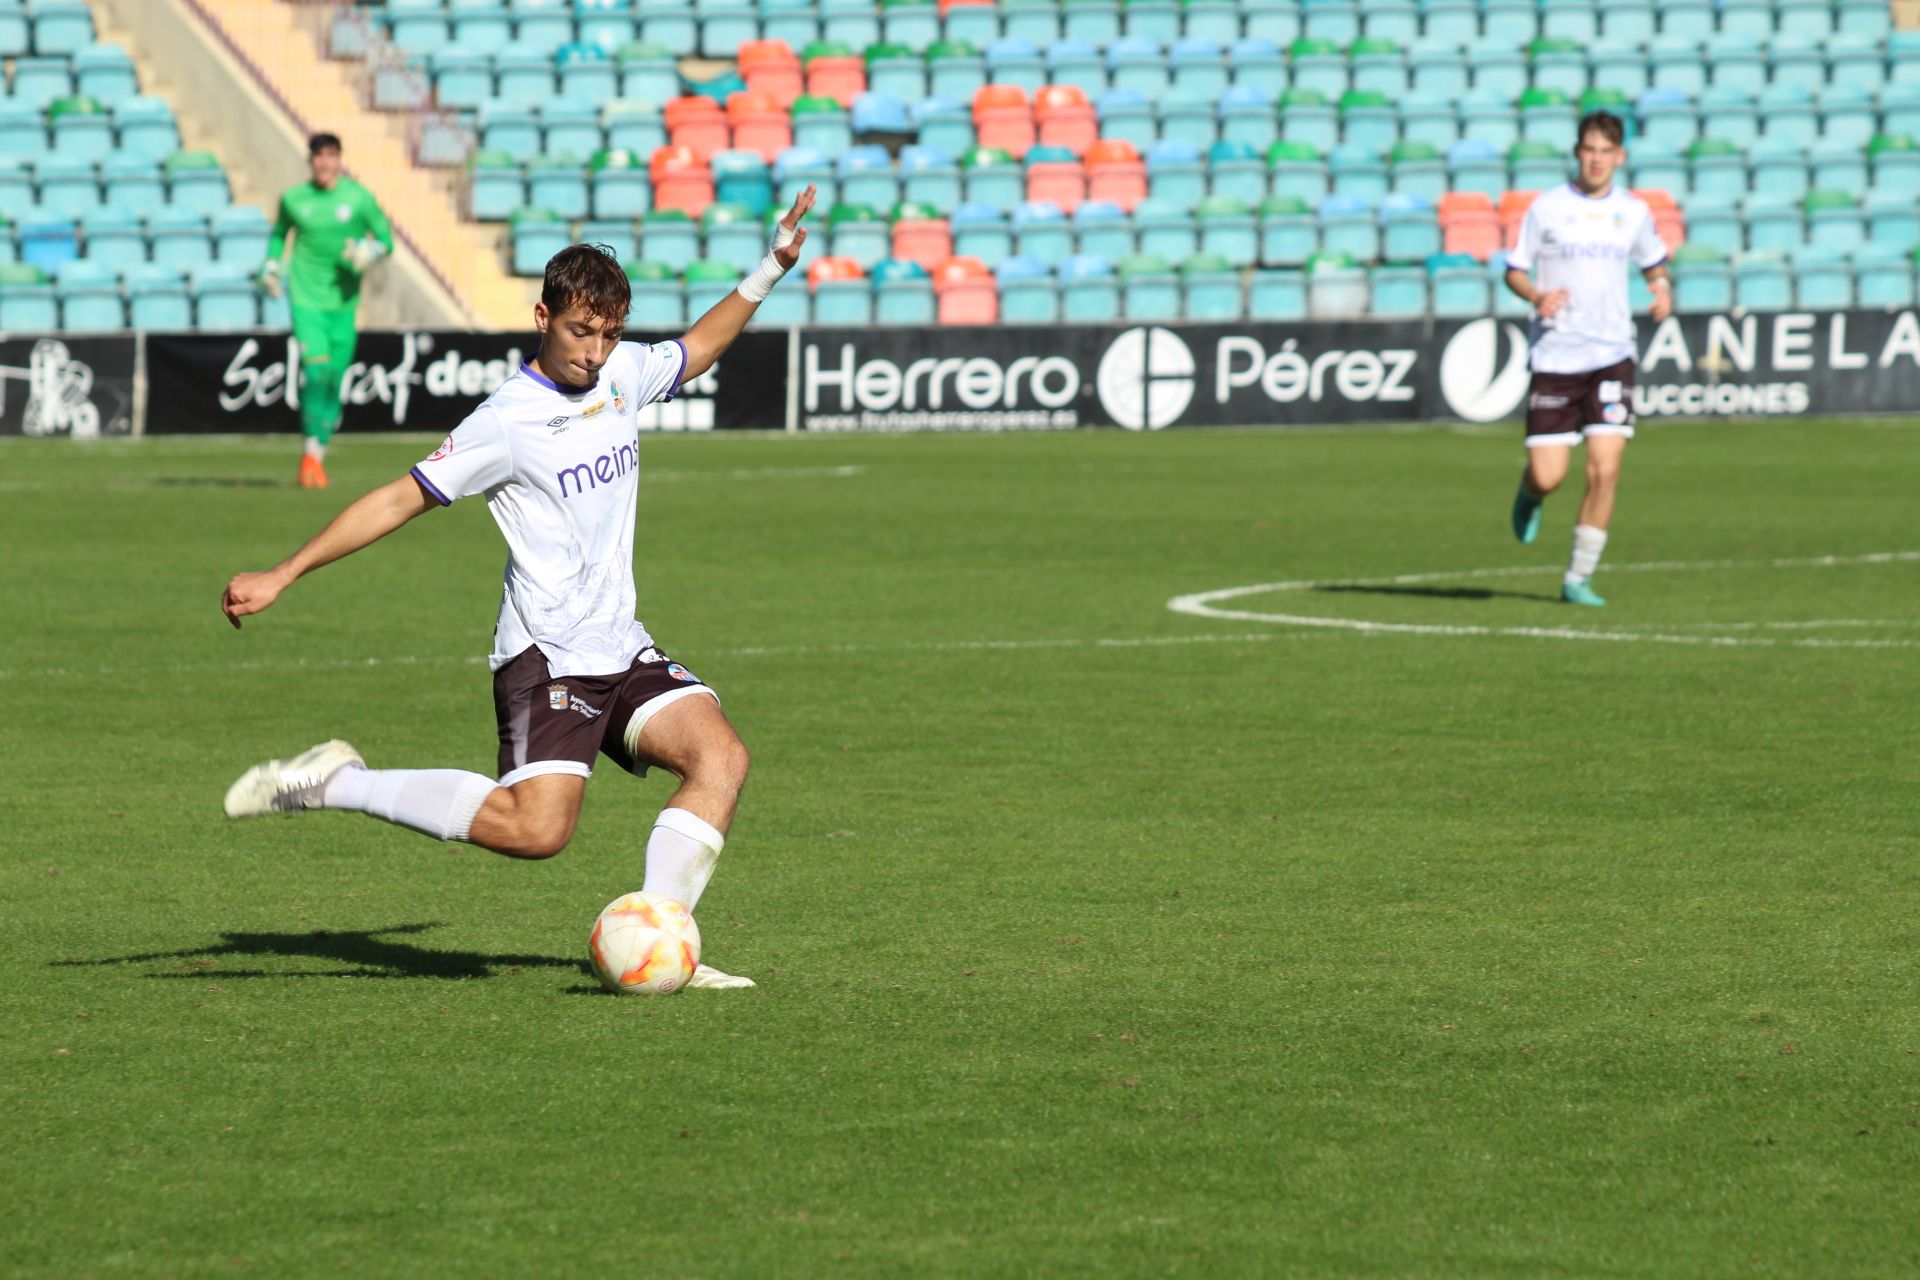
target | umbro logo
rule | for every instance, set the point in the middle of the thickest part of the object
(558, 425)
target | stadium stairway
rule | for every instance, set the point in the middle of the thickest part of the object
(446, 272)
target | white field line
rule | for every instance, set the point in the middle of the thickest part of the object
(742, 651)
(661, 476)
(1202, 605)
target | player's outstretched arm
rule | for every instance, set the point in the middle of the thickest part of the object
(366, 520)
(715, 331)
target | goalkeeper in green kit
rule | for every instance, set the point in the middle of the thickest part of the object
(339, 233)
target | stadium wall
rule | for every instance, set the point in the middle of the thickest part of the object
(988, 379)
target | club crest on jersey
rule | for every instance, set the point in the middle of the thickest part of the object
(619, 397)
(446, 447)
(679, 672)
(343, 213)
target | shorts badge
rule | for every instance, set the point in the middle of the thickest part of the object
(557, 697)
(679, 672)
(1615, 413)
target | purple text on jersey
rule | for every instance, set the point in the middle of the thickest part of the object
(1592, 249)
(604, 469)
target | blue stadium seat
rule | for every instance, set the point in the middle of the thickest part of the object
(1883, 276)
(1277, 295)
(16, 37)
(796, 168)
(1787, 116)
(1702, 286)
(902, 294)
(1822, 279)
(1102, 230)
(627, 124)
(1775, 222)
(982, 231)
(23, 130)
(89, 296)
(157, 298)
(225, 297)
(1187, 118)
(39, 80)
(1399, 292)
(1126, 115)
(115, 236)
(47, 239)
(1088, 290)
(1247, 115)
(513, 130)
(1893, 218)
(1042, 233)
(1028, 294)
(1347, 225)
(1012, 60)
(1437, 69)
(928, 175)
(843, 302)
(68, 187)
(1461, 287)
(104, 73)
(1079, 63)
(1848, 115)
(1138, 62)
(1761, 282)
(570, 129)
(1779, 168)
(28, 308)
(1289, 234)
(1409, 228)
(1165, 228)
(1715, 221)
(61, 27)
(462, 79)
(483, 26)
(240, 235)
(621, 235)
(1357, 171)
(560, 184)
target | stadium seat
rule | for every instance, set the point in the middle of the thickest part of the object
(1103, 230)
(1894, 162)
(1289, 233)
(1247, 115)
(1014, 61)
(1059, 180)
(1003, 119)
(1149, 288)
(896, 70)
(1277, 295)
(880, 113)
(157, 298)
(1848, 115)
(902, 294)
(1165, 229)
(89, 295)
(956, 70)
(1064, 118)
(965, 293)
(1336, 287)
(1460, 287)
(225, 296)
(731, 234)
(671, 238)
(989, 176)
(1228, 230)
(61, 27)
(1028, 294)
(921, 236)
(1893, 218)
(240, 235)
(743, 178)
(1468, 225)
(858, 234)
(1398, 292)
(1348, 228)
(16, 36)
(1883, 276)
(1357, 170)
(1409, 229)
(47, 240)
(981, 231)
(864, 175)
(1042, 233)
(1822, 280)
(1762, 282)
(621, 235)
(1702, 280)
(1088, 289)
(618, 184)
(1715, 221)
(27, 301)
(681, 181)
(1210, 289)
(928, 175)
(854, 23)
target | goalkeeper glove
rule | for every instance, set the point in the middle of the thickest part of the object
(363, 253)
(270, 279)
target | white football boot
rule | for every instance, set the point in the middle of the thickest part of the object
(290, 785)
(711, 979)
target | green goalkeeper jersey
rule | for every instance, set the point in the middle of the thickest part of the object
(325, 221)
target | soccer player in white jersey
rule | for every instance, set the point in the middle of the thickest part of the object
(1577, 244)
(575, 675)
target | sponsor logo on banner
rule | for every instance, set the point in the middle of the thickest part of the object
(1483, 371)
(1367, 375)
(844, 388)
(81, 388)
(1145, 379)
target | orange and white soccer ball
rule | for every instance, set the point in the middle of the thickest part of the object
(644, 945)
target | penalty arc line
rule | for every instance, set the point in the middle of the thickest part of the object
(1202, 605)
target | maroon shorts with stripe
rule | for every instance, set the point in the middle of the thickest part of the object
(561, 724)
(1563, 407)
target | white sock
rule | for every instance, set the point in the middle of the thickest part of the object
(315, 449)
(680, 856)
(437, 802)
(1588, 543)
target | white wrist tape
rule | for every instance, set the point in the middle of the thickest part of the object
(757, 286)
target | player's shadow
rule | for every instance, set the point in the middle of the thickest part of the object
(1433, 593)
(372, 952)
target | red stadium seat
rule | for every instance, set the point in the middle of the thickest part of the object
(965, 292)
(1116, 173)
(1058, 182)
(1513, 208)
(842, 79)
(760, 124)
(1469, 225)
(927, 241)
(833, 269)
(681, 180)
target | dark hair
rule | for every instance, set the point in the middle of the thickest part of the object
(322, 141)
(588, 274)
(1604, 123)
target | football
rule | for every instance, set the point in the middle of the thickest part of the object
(644, 945)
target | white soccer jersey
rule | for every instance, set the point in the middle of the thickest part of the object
(560, 469)
(1585, 245)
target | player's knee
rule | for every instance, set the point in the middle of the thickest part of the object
(1603, 477)
(543, 840)
(723, 763)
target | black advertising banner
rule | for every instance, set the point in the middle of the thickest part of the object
(80, 387)
(422, 381)
(1149, 377)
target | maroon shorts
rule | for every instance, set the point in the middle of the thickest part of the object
(1565, 406)
(560, 725)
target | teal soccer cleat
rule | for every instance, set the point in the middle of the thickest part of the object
(1580, 592)
(1526, 515)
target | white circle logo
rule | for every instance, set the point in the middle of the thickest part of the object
(1146, 379)
(1478, 384)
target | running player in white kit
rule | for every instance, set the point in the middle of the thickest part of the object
(1579, 240)
(576, 676)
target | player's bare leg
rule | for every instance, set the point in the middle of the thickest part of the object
(692, 739)
(1545, 471)
(533, 818)
(1604, 452)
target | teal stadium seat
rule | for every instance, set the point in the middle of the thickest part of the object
(1337, 288)
(1028, 294)
(1893, 218)
(1499, 66)
(669, 238)
(1277, 295)
(1358, 171)
(1103, 230)
(928, 175)
(105, 73)
(1127, 116)
(1763, 283)
(536, 235)
(672, 24)
(1306, 118)
(1211, 289)
(799, 167)
(1152, 19)
(1715, 221)
(1097, 21)
(513, 130)
(570, 128)
(1415, 168)
(1737, 61)
(1149, 288)
(47, 239)
(1849, 115)
(1489, 118)
(550, 25)
(1165, 229)
(980, 24)
(1138, 62)
(628, 124)
(1185, 117)
(115, 236)
(1399, 292)
(1687, 19)
(1297, 169)
(1883, 276)
(1461, 287)
(725, 26)
(16, 36)
(896, 70)
(622, 235)
(225, 296)
(1728, 114)
(462, 79)
(1216, 20)
(1378, 65)
(647, 72)
(1334, 20)
(658, 302)
(1089, 290)
(157, 298)
(902, 294)
(1860, 61)
(981, 231)
(1436, 68)
(789, 306)
(1409, 229)
(1289, 233)
(67, 187)
(706, 283)
(89, 294)
(587, 72)
(1228, 230)
(1774, 222)
(1450, 23)
(559, 183)
(854, 23)
(1787, 116)
(39, 80)
(1078, 63)
(1317, 66)
(1348, 228)
(240, 234)
(61, 27)
(1822, 279)
(418, 26)
(617, 183)
(1043, 234)
(1236, 170)
(955, 70)
(1247, 115)
(27, 301)
(23, 130)
(1702, 280)
(1395, 20)
(914, 23)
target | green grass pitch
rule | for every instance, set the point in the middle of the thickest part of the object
(1094, 938)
